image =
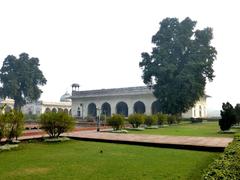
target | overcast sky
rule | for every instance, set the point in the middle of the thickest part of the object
(98, 43)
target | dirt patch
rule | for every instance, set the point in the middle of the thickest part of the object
(29, 171)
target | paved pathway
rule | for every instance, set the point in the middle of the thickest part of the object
(183, 142)
(180, 142)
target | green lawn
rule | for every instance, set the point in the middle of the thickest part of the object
(83, 160)
(188, 129)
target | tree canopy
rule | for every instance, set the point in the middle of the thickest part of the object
(179, 65)
(20, 78)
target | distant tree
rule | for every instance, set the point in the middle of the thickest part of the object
(228, 117)
(20, 79)
(179, 64)
(237, 113)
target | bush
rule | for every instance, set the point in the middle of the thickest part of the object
(56, 123)
(172, 119)
(228, 117)
(227, 166)
(14, 124)
(116, 121)
(196, 120)
(161, 118)
(150, 120)
(136, 120)
(2, 126)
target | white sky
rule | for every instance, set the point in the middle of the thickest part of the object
(98, 43)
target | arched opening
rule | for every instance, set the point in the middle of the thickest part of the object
(47, 110)
(78, 112)
(70, 112)
(92, 110)
(54, 110)
(139, 107)
(60, 110)
(106, 109)
(156, 107)
(65, 111)
(122, 108)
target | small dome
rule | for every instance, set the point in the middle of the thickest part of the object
(66, 97)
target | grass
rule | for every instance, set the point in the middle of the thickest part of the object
(83, 160)
(210, 129)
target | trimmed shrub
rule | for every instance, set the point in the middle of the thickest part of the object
(136, 120)
(196, 120)
(116, 121)
(227, 166)
(161, 118)
(150, 120)
(14, 124)
(54, 124)
(228, 117)
(172, 119)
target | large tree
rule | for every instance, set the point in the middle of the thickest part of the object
(180, 63)
(20, 79)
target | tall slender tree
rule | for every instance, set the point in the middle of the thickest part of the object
(20, 78)
(179, 65)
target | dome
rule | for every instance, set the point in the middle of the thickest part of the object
(66, 97)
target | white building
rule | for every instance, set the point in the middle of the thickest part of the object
(8, 102)
(40, 107)
(124, 101)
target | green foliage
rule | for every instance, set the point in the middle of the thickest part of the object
(2, 126)
(56, 123)
(196, 120)
(14, 122)
(228, 117)
(20, 79)
(172, 119)
(150, 120)
(116, 121)
(136, 119)
(161, 118)
(237, 113)
(179, 65)
(227, 166)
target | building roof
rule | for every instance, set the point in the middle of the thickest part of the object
(139, 90)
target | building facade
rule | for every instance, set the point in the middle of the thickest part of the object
(40, 107)
(124, 101)
(9, 104)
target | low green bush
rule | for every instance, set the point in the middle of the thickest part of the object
(172, 119)
(136, 120)
(150, 120)
(161, 118)
(2, 126)
(116, 121)
(228, 165)
(54, 124)
(14, 124)
(196, 120)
